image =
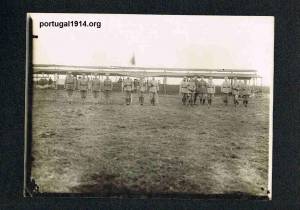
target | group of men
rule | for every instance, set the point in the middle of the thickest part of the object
(129, 86)
(192, 89)
(238, 89)
(141, 86)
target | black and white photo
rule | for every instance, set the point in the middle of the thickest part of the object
(149, 105)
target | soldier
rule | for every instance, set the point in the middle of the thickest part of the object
(195, 93)
(141, 89)
(202, 90)
(107, 88)
(183, 89)
(135, 85)
(235, 91)
(245, 93)
(191, 91)
(225, 89)
(128, 86)
(55, 80)
(89, 83)
(210, 90)
(96, 88)
(154, 88)
(50, 83)
(69, 86)
(83, 87)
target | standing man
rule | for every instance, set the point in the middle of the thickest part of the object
(50, 82)
(96, 88)
(154, 88)
(69, 86)
(210, 90)
(191, 91)
(196, 92)
(183, 89)
(245, 93)
(235, 91)
(202, 90)
(226, 89)
(141, 89)
(89, 83)
(135, 85)
(107, 88)
(83, 87)
(128, 88)
(55, 80)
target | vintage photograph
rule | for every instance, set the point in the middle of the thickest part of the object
(149, 105)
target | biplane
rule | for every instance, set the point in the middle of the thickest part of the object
(40, 70)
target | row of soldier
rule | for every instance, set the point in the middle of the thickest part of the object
(192, 89)
(129, 85)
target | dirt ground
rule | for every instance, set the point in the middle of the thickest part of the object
(169, 148)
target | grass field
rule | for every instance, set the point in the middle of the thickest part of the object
(169, 148)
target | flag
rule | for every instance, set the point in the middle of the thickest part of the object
(132, 61)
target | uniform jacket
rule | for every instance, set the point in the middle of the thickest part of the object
(128, 85)
(235, 88)
(142, 86)
(96, 85)
(191, 86)
(226, 87)
(70, 82)
(107, 84)
(153, 86)
(83, 84)
(211, 88)
(201, 86)
(184, 87)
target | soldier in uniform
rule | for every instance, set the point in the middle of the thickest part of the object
(195, 92)
(89, 83)
(153, 89)
(83, 87)
(235, 91)
(141, 89)
(128, 86)
(183, 89)
(210, 90)
(69, 85)
(107, 88)
(96, 87)
(245, 93)
(226, 89)
(55, 80)
(191, 91)
(135, 85)
(202, 90)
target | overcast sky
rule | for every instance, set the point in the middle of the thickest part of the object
(159, 41)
